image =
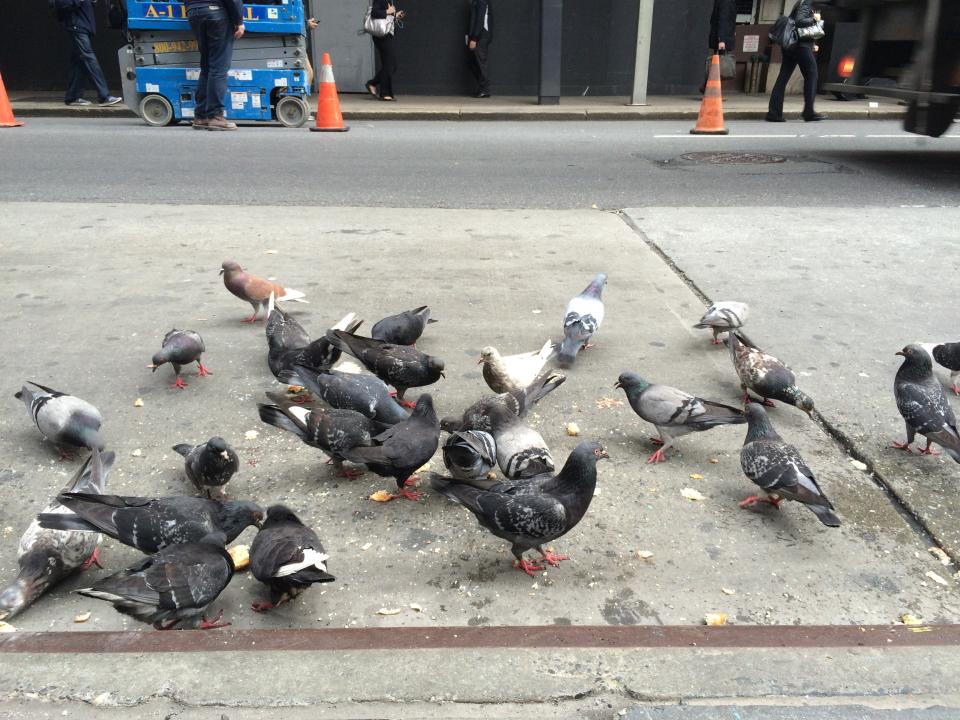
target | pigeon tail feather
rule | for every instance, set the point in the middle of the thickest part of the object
(825, 515)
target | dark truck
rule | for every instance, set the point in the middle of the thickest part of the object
(905, 49)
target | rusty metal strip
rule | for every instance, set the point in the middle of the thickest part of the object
(551, 636)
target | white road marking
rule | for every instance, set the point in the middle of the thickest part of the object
(836, 136)
(726, 136)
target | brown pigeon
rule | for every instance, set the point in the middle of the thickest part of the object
(253, 289)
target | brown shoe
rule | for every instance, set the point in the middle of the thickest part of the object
(200, 123)
(220, 123)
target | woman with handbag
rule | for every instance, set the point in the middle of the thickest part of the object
(386, 15)
(809, 29)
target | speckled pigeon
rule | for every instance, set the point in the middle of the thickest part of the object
(469, 454)
(181, 347)
(674, 412)
(404, 328)
(534, 512)
(518, 402)
(948, 355)
(506, 373)
(211, 465)
(582, 319)
(66, 421)
(924, 405)
(365, 394)
(723, 316)
(255, 290)
(767, 376)
(287, 557)
(173, 587)
(777, 468)
(45, 556)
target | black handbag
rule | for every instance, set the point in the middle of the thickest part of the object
(784, 32)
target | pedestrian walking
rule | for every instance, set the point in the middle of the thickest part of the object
(723, 31)
(479, 37)
(382, 83)
(800, 53)
(78, 20)
(215, 24)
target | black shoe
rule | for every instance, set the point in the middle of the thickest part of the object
(815, 117)
(774, 118)
(482, 95)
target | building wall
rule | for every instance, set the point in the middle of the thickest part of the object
(598, 47)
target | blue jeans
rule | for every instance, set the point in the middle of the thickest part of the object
(83, 63)
(215, 40)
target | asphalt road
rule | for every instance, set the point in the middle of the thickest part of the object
(480, 165)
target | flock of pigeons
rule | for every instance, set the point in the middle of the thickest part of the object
(355, 418)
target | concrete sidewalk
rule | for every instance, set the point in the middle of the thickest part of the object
(411, 107)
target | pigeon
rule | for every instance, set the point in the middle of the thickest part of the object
(173, 587)
(365, 394)
(779, 471)
(399, 365)
(404, 328)
(332, 431)
(289, 344)
(513, 372)
(210, 465)
(534, 512)
(469, 454)
(765, 375)
(48, 556)
(255, 290)
(518, 402)
(723, 316)
(151, 524)
(287, 557)
(674, 412)
(66, 421)
(582, 319)
(401, 450)
(948, 355)
(924, 405)
(181, 347)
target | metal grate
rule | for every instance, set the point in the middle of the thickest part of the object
(733, 158)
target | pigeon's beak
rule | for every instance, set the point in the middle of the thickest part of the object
(225, 455)
(602, 454)
(221, 272)
(443, 374)
(153, 368)
(480, 361)
(900, 353)
(618, 384)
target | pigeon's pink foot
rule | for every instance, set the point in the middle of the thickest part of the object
(658, 456)
(202, 371)
(956, 390)
(351, 473)
(589, 345)
(94, 559)
(746, 397)
(213, 624)
(262, 607)
(66, 456)
(750, 501)
(767, 403)
(179, 383)
(528, 568)
(930, 451)
(901, 446)
(656, 441)
(716, 341)
(408, 494)
(552, 559)
(251, 319)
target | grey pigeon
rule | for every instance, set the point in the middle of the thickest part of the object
(582, 319)
(723, 316)
(777, 468)
(287, 557)
(674, 412)
(404, 328)
(210, 465)
(469, 454)
(399, 365)
(179, 348)
(255, 290)
(333, 431)
(923, 404)
(534, 512)
(506, 373)
(48, 556)
(66, 421)
(365, 394)
(401, 450)
(518, 402)
(173, 587)
(948, 355)
(151, 524)
(765, 375)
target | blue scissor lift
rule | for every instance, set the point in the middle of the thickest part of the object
(267, 79)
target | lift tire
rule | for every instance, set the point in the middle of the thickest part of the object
(156, 110)
(292, 111)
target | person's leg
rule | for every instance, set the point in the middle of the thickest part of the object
(789, 64)
(200, 95)
(808, 68)
(90, 65)
(75, 74)
(482, 54)
(220, 40)
(378, 77)
(388, 61)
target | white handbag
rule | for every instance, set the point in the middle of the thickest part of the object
(377, 27)
(813, 32)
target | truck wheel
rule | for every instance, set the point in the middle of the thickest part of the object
(156, 110)
(931, 119)
(292, 111)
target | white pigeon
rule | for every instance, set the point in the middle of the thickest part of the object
(724, 316)
(506, 373)
(582, 319)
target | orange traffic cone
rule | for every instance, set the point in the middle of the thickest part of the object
(710, 121)
(6, 112)
(329, 117)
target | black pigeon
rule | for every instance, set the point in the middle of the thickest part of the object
(333, 431)
(401, 450)
(173, 587)
(924, 405)
(399, 365)
(151, 524)
(469, 454)
(365, 394)
(534, 512)
(287, 557)
(179, 348)
(66, 421)
(210, 465)
(517, 402)
(46, 557)
(404, 328)
(777, 468)
(948, 355)
(673, 412)
(765, 375)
